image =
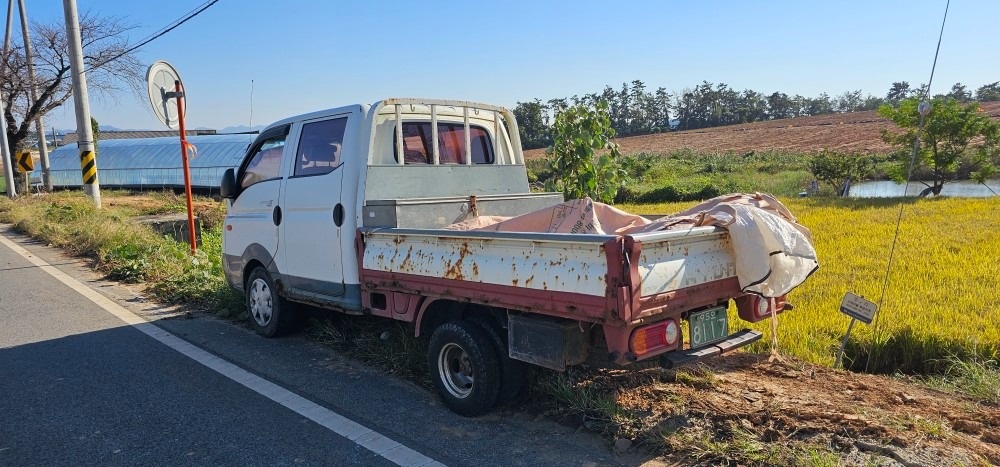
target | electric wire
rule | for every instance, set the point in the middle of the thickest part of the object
(909, 175)
(156, 35)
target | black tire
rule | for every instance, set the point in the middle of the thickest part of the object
(513, 373)
(269, 314)
(464, 367)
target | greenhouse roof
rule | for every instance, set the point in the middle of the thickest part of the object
(153, 161)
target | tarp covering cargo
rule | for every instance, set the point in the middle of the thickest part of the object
(774, 253)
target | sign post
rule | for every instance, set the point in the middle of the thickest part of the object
(859, 309)
(26, 165)
(179, 94)
(163, 83)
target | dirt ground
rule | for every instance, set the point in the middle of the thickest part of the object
(736, 408)
(142, 202)
(848, 132)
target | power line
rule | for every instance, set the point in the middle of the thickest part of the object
(156, 35)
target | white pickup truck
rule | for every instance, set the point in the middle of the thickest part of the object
(345, 209)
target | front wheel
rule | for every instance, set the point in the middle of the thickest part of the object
(464, 368)
(269, 315)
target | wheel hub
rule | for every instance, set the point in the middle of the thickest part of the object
(261, 307)
(456, 371)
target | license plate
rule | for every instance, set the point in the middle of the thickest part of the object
(707, 327)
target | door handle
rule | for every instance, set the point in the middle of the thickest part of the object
(338, 214)
(276, 215)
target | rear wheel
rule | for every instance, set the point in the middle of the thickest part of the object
(270, 316)
(464, 367)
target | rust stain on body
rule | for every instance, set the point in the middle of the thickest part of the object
(406, 265)
(454, 271)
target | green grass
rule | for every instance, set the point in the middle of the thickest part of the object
(978, 378)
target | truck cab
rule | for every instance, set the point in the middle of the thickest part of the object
(307, 183)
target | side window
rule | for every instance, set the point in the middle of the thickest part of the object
(265, 163)
(320, 147)
(417, 147)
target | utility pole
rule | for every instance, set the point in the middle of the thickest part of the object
(81, 100)
(43, 148)
(8, 161)
(8, 170)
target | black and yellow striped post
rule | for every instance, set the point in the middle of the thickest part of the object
(88, 165)
(81, 102)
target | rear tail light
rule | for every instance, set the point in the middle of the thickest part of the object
(754, 308)
(659, 336)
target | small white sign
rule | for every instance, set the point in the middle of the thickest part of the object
(858, 308)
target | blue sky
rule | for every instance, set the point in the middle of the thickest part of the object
(306, 55)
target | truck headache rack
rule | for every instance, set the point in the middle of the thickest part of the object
(515, 156)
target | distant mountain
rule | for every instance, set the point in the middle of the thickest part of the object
(241, 129)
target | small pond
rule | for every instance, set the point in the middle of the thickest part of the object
(888, 189)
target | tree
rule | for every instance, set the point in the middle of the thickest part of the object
(95, 129)
(532, 125)
(898, 91)
(779, 106)
(988, 92)
(849, 101)
(960, 93)
(579, 132)
(820, 105)
(110, 69)
(954, 135)
(840, 170)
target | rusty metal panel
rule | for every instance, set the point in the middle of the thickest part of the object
(543, 262)
(677, 259)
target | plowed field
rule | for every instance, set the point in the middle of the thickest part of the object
(850, 132)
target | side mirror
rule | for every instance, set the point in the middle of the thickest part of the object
(228, 187)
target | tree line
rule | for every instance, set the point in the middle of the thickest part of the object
(636, 110)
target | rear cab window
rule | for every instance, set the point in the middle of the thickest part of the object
(417, 147)
(320, 149)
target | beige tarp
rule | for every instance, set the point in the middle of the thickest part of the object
(773, 253)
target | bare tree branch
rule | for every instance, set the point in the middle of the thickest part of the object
(103, 39)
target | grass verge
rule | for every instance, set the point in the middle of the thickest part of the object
(127, 251)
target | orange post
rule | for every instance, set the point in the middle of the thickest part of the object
(187, 168)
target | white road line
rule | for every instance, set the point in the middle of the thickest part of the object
(359, 434)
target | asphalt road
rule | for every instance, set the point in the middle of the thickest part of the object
(79, 386)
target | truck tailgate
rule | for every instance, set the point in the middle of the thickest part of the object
(566, 271)
(683, 267)
(675, 259)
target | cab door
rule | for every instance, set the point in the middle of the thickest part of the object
(311, 233)
(254, 215)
